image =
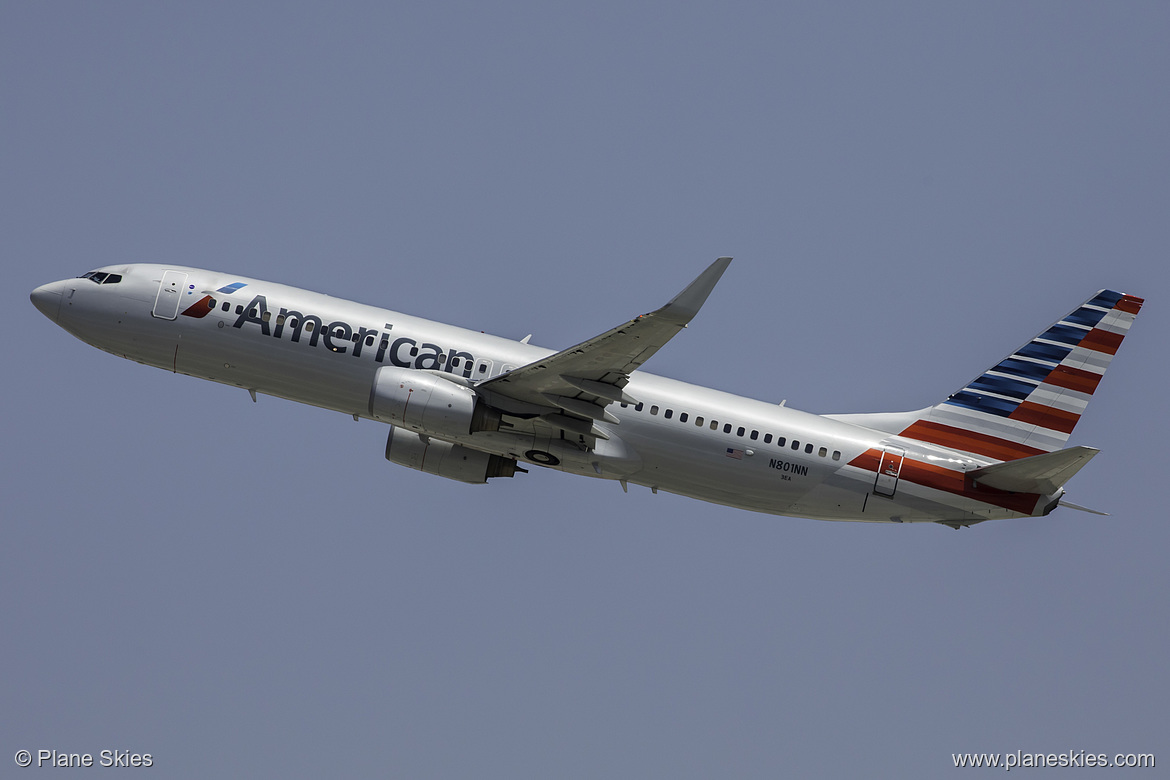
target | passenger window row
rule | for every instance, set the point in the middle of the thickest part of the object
(780, 441)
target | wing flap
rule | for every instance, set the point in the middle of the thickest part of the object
(603, 390)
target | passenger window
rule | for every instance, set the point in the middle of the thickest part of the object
(727, 428)
(795, 444)
(267, 316)
(755, 435)
(682, 417)
(414, 351)
(779, 441)
(309, 325)
(836, 455)
(370, 340)
(654, 409)
(822, 452)
(639, 407)
(668, 413)
(808, 449)
(239, 309)
(455, 362)
(482, 367)
(714, 425)
(226, 305)
(699, 421)
(767, 438)
(739, 431)
(279, 319)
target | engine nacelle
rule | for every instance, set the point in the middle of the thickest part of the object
(445, 459)
(428, 403)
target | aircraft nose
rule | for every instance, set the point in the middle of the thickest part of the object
(47, 298)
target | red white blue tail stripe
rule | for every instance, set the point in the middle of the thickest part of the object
(1030, 401)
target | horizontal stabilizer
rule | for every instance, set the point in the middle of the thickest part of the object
(1041, 474)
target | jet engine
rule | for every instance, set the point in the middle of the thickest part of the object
(445, 459)
(428, 403)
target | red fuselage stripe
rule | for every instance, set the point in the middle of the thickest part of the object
(1045, 417)
(1102, 341)
(968, 441)
(954, 482)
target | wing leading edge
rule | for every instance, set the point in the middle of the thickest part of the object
(571, 388)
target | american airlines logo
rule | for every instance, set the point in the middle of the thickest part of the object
(341, 337)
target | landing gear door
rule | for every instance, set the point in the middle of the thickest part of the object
(170, 293)
(888, 470)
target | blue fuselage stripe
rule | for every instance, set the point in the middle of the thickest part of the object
(1024, 369)
(1001, 385)
(1045, 352)
(1064, 334)
(998, 406)
(1106, 299)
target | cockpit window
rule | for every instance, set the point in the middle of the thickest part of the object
(101, 277)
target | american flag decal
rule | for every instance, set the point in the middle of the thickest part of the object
(732, 453)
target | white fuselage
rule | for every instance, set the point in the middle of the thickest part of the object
(681, 438)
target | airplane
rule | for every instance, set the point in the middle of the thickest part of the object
(471, 407)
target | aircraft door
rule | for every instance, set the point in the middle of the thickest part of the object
(888, 470)
(170, 294)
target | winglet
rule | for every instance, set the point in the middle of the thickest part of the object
(684, 306)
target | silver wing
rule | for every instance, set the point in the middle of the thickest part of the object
(570, 389)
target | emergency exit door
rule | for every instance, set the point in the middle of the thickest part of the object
(170, 294)
(888, 470)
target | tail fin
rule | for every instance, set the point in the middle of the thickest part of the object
(1029, 402)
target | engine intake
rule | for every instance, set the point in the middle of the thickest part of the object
(428, 403)
(445, 459)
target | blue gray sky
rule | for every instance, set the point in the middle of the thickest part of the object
(910, 190)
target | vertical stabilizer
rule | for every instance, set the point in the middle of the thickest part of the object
(1029, 402)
